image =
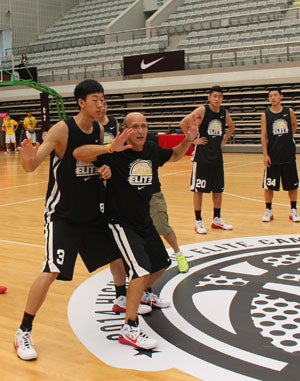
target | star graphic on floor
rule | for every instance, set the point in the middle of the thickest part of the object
(145, 352)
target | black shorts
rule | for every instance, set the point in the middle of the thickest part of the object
(143, 252)
(288, 174)
(207, 178)
(65, 240)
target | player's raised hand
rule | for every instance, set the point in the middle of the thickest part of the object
(27, 150)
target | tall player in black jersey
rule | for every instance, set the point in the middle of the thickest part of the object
(73, 222)
(278, 126)
(208, 171)
(128, 194)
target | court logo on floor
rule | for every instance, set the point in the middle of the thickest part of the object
(235, 315)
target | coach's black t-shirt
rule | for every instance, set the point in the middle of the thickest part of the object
(130, 188)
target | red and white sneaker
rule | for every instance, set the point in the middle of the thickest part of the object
(199, 227)
(268, 216)
(294, 216)
(133, 335)
(219, 223)
(154, 301)
(24, 345)
(3, 289)
(119, 306)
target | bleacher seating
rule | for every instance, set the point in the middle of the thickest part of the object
(165, 109)
(88, 19)
(213, 34)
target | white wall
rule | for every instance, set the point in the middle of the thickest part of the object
(28, 18)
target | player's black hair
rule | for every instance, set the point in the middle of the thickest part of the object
(216, 88)
(86, 87)
(275, 89)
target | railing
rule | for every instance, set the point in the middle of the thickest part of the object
(265, 55)
(104, 69)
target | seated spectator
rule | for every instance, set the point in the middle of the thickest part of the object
(24, 60)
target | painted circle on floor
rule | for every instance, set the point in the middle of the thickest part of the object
(235, 315)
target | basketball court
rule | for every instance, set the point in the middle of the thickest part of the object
(234, 316)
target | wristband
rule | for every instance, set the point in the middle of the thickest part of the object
(189, 140)
(108, 148)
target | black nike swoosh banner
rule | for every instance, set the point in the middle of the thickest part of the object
(154, 62)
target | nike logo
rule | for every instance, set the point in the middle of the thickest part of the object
(145, 66)
(86, 178)
(139, 188)
(97, 140)
(111, 128)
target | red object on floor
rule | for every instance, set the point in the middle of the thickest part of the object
(2, 289)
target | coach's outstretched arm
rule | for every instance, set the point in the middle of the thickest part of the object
(191, 134)
(89, 152)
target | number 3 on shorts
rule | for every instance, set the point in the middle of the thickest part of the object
(60, 256)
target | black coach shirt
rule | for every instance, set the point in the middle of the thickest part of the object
(129, 190)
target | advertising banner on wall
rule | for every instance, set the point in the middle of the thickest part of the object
(154, 62)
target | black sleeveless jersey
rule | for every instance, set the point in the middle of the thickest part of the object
(281, 145)
(130, 188)
(110, 130)
(213, 128)
(74, 189)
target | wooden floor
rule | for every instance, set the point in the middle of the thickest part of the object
(61, 355)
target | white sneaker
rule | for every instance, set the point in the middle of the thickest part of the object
(120, 306)
(219, 223)
(294, 215)
(132, 335)
(154, 301)
(16, 152)
(24, 345)
(199, 227)
(268, 216)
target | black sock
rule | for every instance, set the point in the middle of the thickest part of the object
(268, 205)
(120, 290)
(217, 212)
(198, 215)
(293, 204)
(26, 324)
(133, 323)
